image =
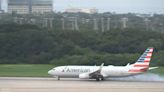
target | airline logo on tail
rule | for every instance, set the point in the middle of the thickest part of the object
(142, 64)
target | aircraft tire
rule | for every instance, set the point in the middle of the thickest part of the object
(97, 79)
(58, 78)
(101, 77)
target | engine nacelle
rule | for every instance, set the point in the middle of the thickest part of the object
(84, 76)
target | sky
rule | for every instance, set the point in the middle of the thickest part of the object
(118, 6)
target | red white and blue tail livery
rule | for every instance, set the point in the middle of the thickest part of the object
(142, 64)
(102, 72)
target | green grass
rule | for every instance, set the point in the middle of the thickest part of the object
(24, 70)
(38, 70)
(159, 71)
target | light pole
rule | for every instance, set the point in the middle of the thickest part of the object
(76, 24)
(102, 25)
(108, 24)
(95, 26)
(124, 22)
(146, 20)
(63, 24)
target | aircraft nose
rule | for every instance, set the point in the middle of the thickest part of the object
(50, 72)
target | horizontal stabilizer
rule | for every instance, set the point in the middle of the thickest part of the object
(151, 68)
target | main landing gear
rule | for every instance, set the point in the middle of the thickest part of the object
(100, 77)
(58, 77)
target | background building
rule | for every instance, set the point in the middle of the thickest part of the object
(89, 10)
(1, 7)
(0, 4)
(42, 6)
(83, 10)
(30, 6)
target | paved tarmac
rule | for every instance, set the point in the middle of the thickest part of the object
(26, 84)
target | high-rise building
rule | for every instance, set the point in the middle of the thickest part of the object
(30, 6)
(1, 9)
(0, 5)
(3, 6)
(41, 6)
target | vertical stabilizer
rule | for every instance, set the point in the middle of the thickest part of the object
(142, 64)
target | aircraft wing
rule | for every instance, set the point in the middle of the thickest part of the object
(97, 72)
(93, 75)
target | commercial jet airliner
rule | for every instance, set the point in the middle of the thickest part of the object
(102, 72)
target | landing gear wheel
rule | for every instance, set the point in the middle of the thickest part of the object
(97, 79)
(100, 77)
(58, 78)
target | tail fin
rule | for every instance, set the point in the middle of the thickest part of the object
(142, 64)
(146, 56)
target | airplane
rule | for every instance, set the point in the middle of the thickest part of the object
(102, 72)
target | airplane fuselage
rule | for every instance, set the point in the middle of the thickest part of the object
(107, 71)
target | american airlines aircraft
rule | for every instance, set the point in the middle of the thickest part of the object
(102, 72)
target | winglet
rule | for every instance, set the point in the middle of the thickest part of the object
(128, 64)
(101, 66)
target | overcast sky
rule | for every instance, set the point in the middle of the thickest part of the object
(118, 6)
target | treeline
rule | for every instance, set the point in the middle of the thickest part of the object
(31, 44)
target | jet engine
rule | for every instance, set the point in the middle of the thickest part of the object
(84, 76)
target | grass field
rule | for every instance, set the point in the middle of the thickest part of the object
(33, 70)
(159, 71)
(24, 70)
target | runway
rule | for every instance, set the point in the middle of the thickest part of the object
(26, 84)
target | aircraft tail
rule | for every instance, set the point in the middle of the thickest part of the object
(142, 64)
